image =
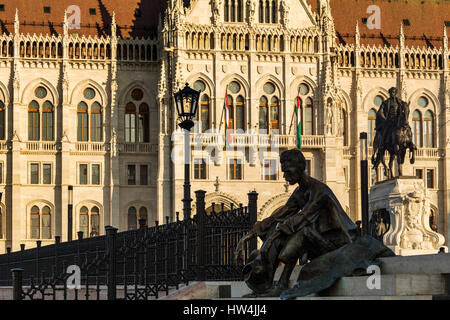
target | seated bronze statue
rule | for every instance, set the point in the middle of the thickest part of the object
(312, 223)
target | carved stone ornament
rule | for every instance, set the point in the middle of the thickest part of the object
(244, 69)
(225, 68)
(189, 67)
(260, 69)
(294, 70)
(408, 203)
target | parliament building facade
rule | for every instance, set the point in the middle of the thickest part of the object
(86, 101)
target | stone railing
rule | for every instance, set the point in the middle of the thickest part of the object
(90, 147)
(249, 140)
(139, 147)
(49, 146)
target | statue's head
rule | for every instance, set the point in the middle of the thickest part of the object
(293, 165)
(393, 92)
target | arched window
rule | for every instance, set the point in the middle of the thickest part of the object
(269, 115)
(33, 121)
(226, 9)
(417, 128)
(38, 105)
(47, 121)
(2, 121)
(46, 223)
(143, 214)
(144, 133)
(236, 105)
(261, 11)
(35, 224)
(274, 114)
(82, 120)
(96, 122)
(90, 105)
(304, 98)
(233, 11)
(239, 11)
(263, 113)
(137, 126)
(95, 222)
(371, 125)
(130, 122)
(267, 12)
(84, 221)
(132, 218)
(344, 126)
(90, 222)
(428, 130)
(274, 11)
(309, 114)
(203, 114)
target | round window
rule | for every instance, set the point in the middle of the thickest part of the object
(199, 86)
(422, 102)
(234, 87)
(378, 101)
(303, 89)
(137, 94)
(89, 93)
(41, 92)
(269, 88)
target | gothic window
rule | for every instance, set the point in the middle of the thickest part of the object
(204, 112)
(82, 119)
(84, 221)
(137, 121)
(239, 11)
(261, 11)
(305, 98)
(267, 12)
(371, 125)
(428, 124)
(200, 169)
(274, 11)
(2, 120)
(236, 105)
(417, 128)
(40, 223)
(89, 112)
(226, 11)
(269, 109)
(233, 11)
(130, 122)
(35, 108)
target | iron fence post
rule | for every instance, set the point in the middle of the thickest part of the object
(253, 216)
(201, 232)
(17, 283)
(111, 233)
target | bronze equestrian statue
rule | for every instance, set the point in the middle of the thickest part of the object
(393, 134)
(310, 225)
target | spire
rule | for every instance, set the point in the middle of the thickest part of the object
(66, 24)
(16, 22)
(113, 25)
(402, 36)
(357, 34)
(444, 38)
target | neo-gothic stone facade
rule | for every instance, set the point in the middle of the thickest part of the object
(97, 114)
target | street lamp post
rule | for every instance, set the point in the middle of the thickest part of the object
(70, 214)
(186, 103)
(364, 183)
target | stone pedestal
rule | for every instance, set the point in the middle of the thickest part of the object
(408, 204)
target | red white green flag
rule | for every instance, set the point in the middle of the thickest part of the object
(299, 123)
(227, 120)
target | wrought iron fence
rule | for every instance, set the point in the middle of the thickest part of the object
(137, 264)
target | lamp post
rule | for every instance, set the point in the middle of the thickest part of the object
(364, 183)
(186, 101)
(69, 214)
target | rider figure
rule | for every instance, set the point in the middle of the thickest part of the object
(389, 118)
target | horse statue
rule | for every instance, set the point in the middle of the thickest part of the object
(393, 135)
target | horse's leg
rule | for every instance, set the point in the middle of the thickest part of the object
(391, 162)
(400, 160)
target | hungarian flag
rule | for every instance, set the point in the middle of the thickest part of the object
(227, 120)
(299, 123)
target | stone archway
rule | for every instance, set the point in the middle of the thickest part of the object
(273, 205)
